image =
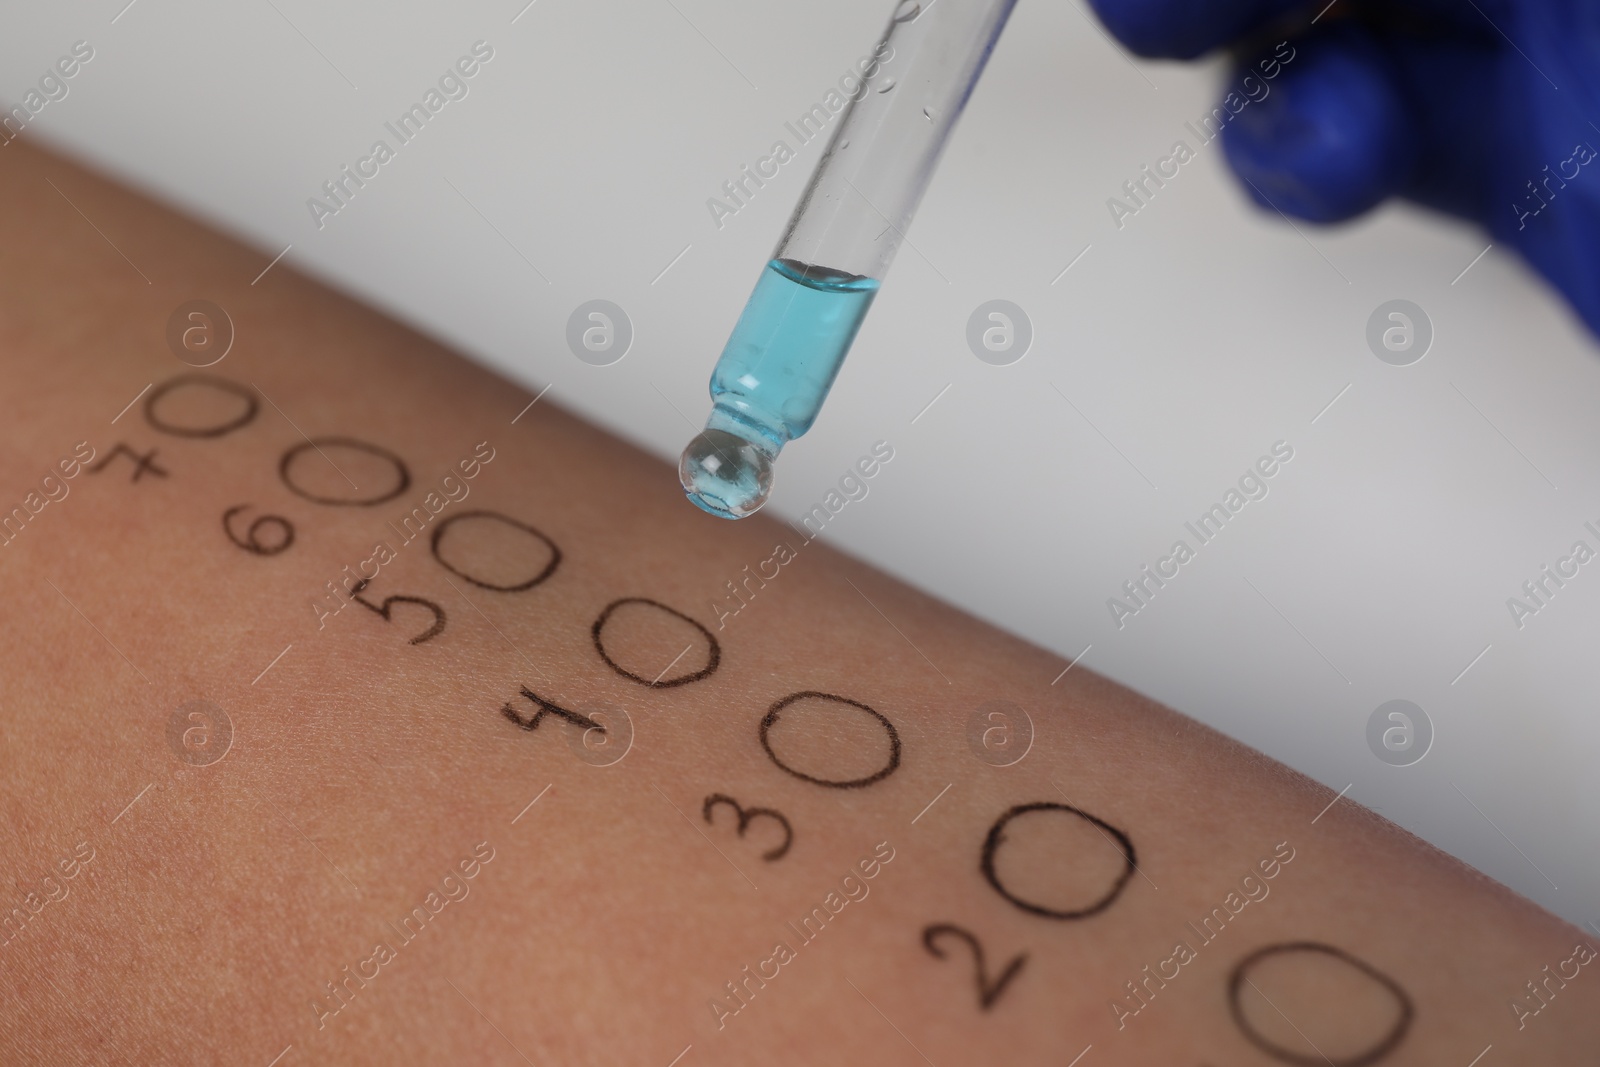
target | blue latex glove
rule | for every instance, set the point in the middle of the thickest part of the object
(1489, 109)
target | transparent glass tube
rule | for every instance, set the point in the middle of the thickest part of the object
(812, 296)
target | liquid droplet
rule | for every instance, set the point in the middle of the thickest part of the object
(927, 114)
(725, 475)
(886, 86)
(908, 10)
(844, 144)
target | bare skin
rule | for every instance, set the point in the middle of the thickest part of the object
(369, 779)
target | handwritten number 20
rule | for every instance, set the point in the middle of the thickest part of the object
(988, 991)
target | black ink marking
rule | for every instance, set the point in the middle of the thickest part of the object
(252, 406)
(713, 655)
(142, 463)
(854, 783)
(252, 542)
(1387, 1044)
(988, 992)
(997, 836)
(518, 587)
(316, 444)
(388, 602)
(547, 707)
(745, 815)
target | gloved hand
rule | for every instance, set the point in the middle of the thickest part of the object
(1489, 109)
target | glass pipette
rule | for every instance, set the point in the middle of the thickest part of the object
(812, 296)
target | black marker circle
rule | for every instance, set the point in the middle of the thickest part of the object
(402, 481)
(549, 568)
(854, 783)
(252, 406)
(712, 660)
(997, 836)
(1388, 1044)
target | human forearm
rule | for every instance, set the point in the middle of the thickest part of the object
(373, 753)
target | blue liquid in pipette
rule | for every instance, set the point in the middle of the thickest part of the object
(769, 385)
(786, 350)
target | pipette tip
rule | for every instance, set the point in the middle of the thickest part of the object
(725, 474)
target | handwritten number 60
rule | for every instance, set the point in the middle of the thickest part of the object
(253, 541)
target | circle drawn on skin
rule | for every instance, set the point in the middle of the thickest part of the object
(514, 587)
(252, 406)
(994, 730)
(997, 837)
(317, 444)
(196, 329)
(772, 716)
(199, 733)
(1387, 1044)
(713, 649)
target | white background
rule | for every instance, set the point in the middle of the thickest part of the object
(1187, 342)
